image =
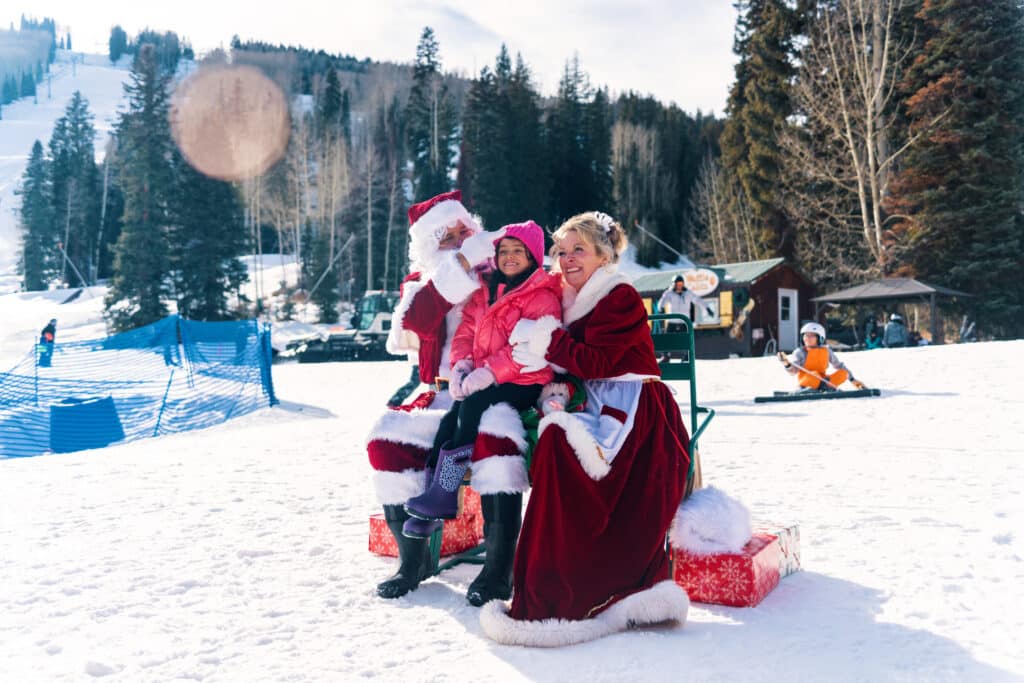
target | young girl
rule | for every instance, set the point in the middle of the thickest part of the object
(483, 371)
(814, 357)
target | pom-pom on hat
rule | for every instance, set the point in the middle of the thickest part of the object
(530, 234)
(428, 222)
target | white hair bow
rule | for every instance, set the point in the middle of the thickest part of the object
(604, 220)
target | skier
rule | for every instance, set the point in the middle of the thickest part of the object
(47, 337)
(810, 362)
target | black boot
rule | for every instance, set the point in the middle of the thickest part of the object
(413, 556)
(503, 515)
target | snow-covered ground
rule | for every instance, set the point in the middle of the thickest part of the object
(25, 121)
(240, 552)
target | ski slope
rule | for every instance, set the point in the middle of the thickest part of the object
(25, 121)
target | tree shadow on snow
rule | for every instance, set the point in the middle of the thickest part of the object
(811, 627)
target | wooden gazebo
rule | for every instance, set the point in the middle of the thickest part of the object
(892, 289)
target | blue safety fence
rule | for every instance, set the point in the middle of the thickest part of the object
(172, 376)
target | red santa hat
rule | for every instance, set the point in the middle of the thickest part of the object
(429, 220)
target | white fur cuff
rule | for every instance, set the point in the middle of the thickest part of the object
(711, 522)
(582, 441)
(453, 282)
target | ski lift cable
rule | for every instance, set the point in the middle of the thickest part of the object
(661, 241)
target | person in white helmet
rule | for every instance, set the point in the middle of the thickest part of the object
(811, 361)
(895, 334)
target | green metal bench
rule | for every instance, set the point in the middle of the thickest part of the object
(673, 342)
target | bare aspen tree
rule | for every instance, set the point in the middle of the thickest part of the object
(838, 154)
(726, 230)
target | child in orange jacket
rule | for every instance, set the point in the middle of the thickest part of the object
(811, 361)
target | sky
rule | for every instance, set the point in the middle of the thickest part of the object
(677, 51)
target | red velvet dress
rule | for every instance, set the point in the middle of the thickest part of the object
(594, 529)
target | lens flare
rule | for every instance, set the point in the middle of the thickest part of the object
(230, 122)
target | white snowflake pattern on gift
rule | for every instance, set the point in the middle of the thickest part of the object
(734, 580)
(703, 580)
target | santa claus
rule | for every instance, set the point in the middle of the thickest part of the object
(447, 248)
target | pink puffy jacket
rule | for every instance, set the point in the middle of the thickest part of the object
(483, 333)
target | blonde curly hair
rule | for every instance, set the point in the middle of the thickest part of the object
(597, 229)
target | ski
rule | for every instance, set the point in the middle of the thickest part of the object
(780, 396)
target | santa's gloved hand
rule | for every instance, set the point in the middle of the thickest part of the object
(479, 379)
(480, 247)
(530, 361)
(459, 372)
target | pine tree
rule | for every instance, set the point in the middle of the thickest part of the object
(139, 287)
(75, 185)
(35, 265)
(961, 188)
(758, 105)
(527, 163)
(328, 107)
(207, 237)
(482, 173)
(118, 43)
(431, 121)
(578, 150)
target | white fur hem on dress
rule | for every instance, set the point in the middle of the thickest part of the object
(664, 601)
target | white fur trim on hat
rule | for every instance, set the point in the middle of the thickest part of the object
(394, 488)
(711, 522)
(452, 281)
(662, 602)
(500, 474)
(413, 427)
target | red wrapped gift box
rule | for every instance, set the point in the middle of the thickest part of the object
(789, 544)
(462, 533)
(738, 580)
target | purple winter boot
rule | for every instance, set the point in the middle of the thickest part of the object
(414, 527)
(441, 499)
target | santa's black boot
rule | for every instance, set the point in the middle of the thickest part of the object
(413, 557)
(503, 515)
